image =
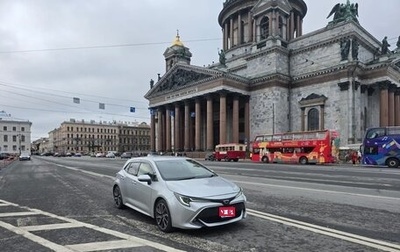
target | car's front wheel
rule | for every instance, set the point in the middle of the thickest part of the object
(118, 197)
(163, 216)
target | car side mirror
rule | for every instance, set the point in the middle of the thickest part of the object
(145, 178)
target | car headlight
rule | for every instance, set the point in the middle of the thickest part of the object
(240, 193)
(186, 200)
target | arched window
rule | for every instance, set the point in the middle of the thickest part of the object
(313, 119)
(264, 28)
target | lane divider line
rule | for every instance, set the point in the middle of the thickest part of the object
(378, 244)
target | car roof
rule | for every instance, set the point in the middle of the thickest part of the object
(159, 158)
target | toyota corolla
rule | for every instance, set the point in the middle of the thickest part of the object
(178, 192)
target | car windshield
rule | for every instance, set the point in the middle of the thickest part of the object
(182, 169)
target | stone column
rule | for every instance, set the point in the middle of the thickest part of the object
(302, 118)
(250, 29)
(239, 39)
(222, 118)
(225, 44)
(392, 89)
(235, 120)
(255, 34)
(159, 130)
(153, 130)
(187, 125)
(247, 122)
(287, 28)
(397, 107)
(321, 116)
(384, 105)
(210, 125)
(291, 25)
(300, 26)
(298, 32)
(168, 129)
(271, 24)
(231, 31)
(197, 123)
(177, 140)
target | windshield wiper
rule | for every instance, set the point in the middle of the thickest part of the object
(187, 178)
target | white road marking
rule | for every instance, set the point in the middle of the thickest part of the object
(96, 246)
(35, 238)
(12, 214)
(316, 190)
(50, 226)
(127, 240)
(378, 244)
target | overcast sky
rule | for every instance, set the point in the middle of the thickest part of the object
(106, 51)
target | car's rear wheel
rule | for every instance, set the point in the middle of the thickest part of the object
(118, 197)
(392, 163)
(303, 160)
(265, 159)
(163, 216)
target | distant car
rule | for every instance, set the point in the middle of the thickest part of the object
(178, 192)
(100, 154)
(210, 156)
(77, 154)
(24, 156)
(4, 156)
(126, 155)
(110, 155)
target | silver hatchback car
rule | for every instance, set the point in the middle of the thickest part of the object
(178, 192)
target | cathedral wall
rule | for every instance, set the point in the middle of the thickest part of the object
(336, 112)
(269, 111)
(373, 110)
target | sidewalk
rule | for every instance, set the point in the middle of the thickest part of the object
(5, 162)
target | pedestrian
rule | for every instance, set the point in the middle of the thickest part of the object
(354, 157)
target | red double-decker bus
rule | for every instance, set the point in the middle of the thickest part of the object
(308, 147)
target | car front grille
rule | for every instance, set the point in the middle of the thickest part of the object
(211, 215)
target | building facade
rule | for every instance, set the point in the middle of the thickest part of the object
(91, 137)
(272, 78)
(15, 134)
(134, 138)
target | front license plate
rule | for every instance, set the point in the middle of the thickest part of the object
(227, 212)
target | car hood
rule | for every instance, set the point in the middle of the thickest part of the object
(214, 187)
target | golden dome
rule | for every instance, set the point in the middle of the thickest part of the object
(177, 41)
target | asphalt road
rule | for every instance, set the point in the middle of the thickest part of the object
(65, 204)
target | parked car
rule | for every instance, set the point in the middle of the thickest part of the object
(24, 156)
(126, 155)
(99, 154)
(110, 155)
(4, 156)
(210, 156)
(178, 192)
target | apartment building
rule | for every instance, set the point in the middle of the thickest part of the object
(15, 134)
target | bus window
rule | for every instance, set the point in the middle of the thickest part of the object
(393, 131)
(371, 150)
(374, 133)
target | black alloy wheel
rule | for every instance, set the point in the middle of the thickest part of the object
(163, 217)
(265, 159)
(118, 197)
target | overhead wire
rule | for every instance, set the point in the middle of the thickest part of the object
(102, 46)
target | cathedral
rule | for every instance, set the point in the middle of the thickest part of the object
(272, 78)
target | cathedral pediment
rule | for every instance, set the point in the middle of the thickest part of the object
(181, 76)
